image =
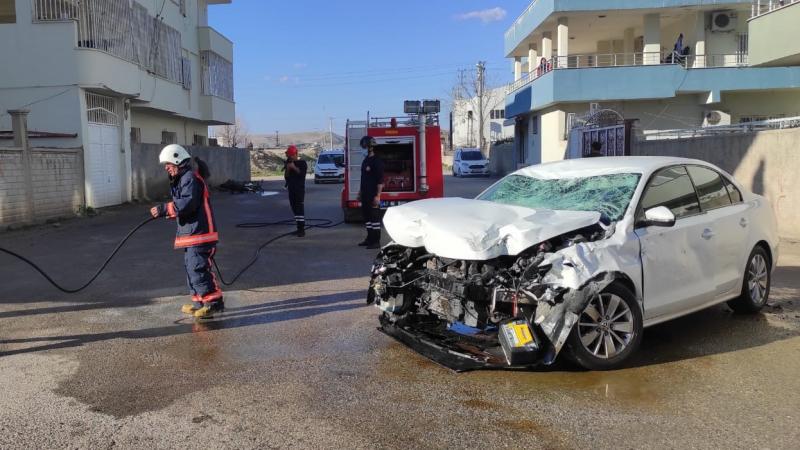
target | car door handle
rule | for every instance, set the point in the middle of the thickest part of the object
(707, 234)
(743, 222)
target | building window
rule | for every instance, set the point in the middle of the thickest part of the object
(102, 109)
(169, 137)
(199, 139)
(136, 135)
(217, 77)
(8, 12)
(186, 72)
(497, 114)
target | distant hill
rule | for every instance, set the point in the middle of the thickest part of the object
(310, 139)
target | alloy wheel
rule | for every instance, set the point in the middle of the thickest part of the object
(757, 279)
(606, 326)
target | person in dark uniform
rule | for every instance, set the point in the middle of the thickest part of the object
(370, 193)
(295, 175)
(597, 150)
(197, 234)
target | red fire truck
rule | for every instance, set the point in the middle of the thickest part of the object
(410, 148)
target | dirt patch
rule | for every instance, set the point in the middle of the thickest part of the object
(269, 162)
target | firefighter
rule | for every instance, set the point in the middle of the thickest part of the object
(370, 193)
(295, 175)
(197, 233)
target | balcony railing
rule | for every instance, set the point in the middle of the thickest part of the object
(626, 59)
(121, 28)
(764, 6)
(513, 29)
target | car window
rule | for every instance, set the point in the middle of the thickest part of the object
(710, 188)
(733, 191)
(671, 187)
(472, 156)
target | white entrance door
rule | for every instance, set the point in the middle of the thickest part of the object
(105, 167)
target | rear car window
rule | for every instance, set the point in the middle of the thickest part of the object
(710, 188)
(733, 191)
(671, 187)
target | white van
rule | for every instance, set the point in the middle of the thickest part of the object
(329, 166)
(469, 161)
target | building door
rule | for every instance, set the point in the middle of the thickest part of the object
(522, 141)
(103, 152)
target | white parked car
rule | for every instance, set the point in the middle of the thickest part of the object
(578, 254)
(329, 166)
(469, 161)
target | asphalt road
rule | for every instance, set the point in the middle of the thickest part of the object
(296, 361)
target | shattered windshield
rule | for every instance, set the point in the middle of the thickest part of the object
(607, 194)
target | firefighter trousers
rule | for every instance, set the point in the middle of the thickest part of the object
(372, 220)
(201, 279)
(297, 202)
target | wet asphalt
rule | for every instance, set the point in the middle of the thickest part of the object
(297, 361)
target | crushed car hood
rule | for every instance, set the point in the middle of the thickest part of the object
(459, 228)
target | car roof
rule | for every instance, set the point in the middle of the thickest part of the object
(584, 167)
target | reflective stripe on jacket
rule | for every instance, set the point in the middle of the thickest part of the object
(191, 207)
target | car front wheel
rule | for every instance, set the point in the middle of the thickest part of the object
(608, 330)
(756, 283)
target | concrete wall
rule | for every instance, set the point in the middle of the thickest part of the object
(150, 182)
(501, 159)
(765, 162)
(151, 123)
(50, 187)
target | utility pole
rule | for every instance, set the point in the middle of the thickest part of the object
(277, 139)
(481, 86)
(330, 130)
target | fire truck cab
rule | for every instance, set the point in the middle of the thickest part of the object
(412, 159)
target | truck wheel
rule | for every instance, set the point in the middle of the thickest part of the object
(608, 330)
(756, 283)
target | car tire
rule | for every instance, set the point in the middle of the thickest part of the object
(588, 343)
(756, 283)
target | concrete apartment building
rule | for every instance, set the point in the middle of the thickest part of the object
(571, 56)
(466, 120)
(103, 75)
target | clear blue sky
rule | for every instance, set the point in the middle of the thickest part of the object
(298, 62)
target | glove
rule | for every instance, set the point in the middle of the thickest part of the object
(158, 211)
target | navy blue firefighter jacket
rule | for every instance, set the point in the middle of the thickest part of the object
(191, 207)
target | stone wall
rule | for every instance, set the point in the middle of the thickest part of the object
(42, 184)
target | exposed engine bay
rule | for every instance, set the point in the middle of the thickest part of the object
(510, 311)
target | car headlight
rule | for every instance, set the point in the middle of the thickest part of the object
(464, 164)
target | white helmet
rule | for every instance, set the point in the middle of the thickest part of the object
(173, 154)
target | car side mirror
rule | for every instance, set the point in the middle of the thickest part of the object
(660, 216)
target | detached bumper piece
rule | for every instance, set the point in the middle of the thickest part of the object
(455, 351)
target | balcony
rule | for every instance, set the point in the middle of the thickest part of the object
(626, 60)
(599, 78)
(216, 110)
(211, 40)
(773, 33)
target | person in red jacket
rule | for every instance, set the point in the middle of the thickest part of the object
(197, 233)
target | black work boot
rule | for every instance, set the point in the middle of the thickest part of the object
(301, 229)
(375, 240)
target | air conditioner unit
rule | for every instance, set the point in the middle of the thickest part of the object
(723, 21)
(715, 117)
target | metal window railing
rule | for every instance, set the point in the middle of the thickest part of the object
(626, 59)
(765, 6)
(745, 126)
(55, 10)
(101, 109)
(121, 28)
(217, 79)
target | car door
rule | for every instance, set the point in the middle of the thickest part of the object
(677, 262)
(728, 226)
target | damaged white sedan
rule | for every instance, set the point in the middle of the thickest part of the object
(579, 255)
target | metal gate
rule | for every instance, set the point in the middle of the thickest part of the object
(103, 152)
(604, 126)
